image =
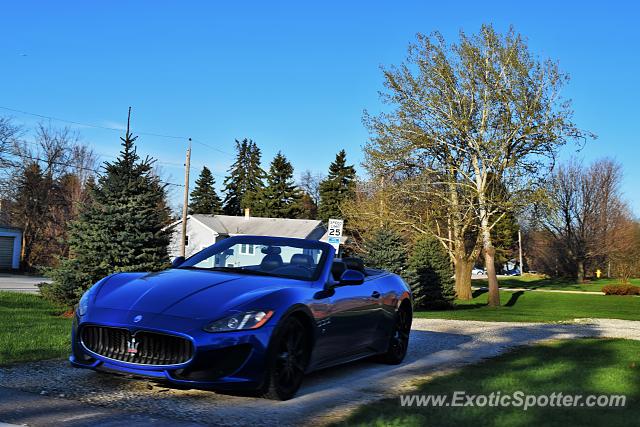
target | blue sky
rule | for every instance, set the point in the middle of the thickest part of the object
(294, 76)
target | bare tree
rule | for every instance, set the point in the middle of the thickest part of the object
(584, 221)
(310, 184)
(468, 113)
(49, 185)
(412, 206)
(626, 261)
(9, 136)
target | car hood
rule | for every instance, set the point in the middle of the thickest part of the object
(186, 293)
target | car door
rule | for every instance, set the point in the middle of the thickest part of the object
(354, 313)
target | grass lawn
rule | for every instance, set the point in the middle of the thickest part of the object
(532, 281)
(525, 306)
(31, 329)
(577, 367)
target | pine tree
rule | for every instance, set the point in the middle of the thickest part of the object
(245, 180)
(337, 187)
(204, 199)
(121, 229)
(280, 198)
(430, 275)
(386, 250)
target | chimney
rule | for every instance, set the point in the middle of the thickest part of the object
(247, 213)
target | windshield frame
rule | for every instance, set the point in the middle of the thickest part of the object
(229, 242)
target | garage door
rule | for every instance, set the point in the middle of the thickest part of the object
(6, 252)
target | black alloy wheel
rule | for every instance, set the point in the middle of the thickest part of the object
(289, 360)
(399, 342)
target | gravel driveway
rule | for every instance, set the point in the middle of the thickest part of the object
(436, 346)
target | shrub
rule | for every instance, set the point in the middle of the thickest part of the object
(386, 250)
(621, 290)
(430, 275)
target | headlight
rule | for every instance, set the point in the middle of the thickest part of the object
(83, 305)
(240, 321)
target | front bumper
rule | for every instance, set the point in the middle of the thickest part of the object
(229, 360)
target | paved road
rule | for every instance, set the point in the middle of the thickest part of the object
(20, 283)
(436, 346)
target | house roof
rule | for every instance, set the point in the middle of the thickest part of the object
(281, 227)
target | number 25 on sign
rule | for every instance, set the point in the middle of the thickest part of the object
(334, 233)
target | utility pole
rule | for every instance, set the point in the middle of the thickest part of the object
(185, 206)
(520, 251)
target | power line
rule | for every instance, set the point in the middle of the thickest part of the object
(95, 126)
(84, 168)
(155, 160)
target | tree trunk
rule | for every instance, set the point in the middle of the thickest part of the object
(580, 271)
(489, 260)
(463, 269)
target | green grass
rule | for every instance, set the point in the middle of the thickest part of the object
(577, 367)
(532, 281)
(31, 329)
(526, 306)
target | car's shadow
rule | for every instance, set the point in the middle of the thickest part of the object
(422, 345)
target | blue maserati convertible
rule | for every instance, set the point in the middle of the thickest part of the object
(248, 313)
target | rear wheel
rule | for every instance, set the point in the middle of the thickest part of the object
(399, 342)
(287, 361)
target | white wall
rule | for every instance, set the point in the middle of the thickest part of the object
(200, 237)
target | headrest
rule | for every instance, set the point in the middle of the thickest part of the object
(271, 250)
(337, 268)
(354, 263)
(271, 262)
(302, 259)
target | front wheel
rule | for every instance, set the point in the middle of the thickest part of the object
(287, 360)
(399, 342)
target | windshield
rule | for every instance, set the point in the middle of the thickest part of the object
(266, 256)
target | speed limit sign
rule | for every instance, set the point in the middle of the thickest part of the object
(334, 233)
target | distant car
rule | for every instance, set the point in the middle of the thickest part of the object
(514, 272)
(252, 313)
(477, 271)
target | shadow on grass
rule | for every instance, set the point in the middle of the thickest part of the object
(514, 298)
(478, 292)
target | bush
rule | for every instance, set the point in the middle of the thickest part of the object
(386, 250)
(621, 290)
(430, 275)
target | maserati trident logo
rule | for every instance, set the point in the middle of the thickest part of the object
(137, 318)
(132, 346)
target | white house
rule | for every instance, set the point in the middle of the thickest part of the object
(205, 230)
(10, 247)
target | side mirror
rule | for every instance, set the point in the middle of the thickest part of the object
(351, 278)
(177, 261)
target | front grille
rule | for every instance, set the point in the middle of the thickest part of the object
(141, 347)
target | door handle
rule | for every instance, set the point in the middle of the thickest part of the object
(375, 294)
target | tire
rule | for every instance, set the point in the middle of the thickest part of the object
(399, 341)
(287, 361)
